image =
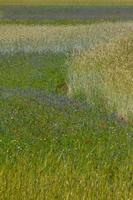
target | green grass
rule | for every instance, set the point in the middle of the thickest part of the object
(46, 72)
(58, 151)
(68, 2)
(54, 22)
(55, 154)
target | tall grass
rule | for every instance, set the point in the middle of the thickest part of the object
(105, 76)
(52, 153)
(65, 151)
(64, 39)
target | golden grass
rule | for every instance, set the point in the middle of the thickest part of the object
(67, 2)
(105, 76)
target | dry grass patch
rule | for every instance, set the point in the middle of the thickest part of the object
(59, 39)
(105, 76)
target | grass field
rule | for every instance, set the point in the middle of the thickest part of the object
(59, 136)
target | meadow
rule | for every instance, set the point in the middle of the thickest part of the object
(66, 114)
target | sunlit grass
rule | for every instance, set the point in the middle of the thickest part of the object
(104, 76)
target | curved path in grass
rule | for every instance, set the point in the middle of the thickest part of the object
(43, 97)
